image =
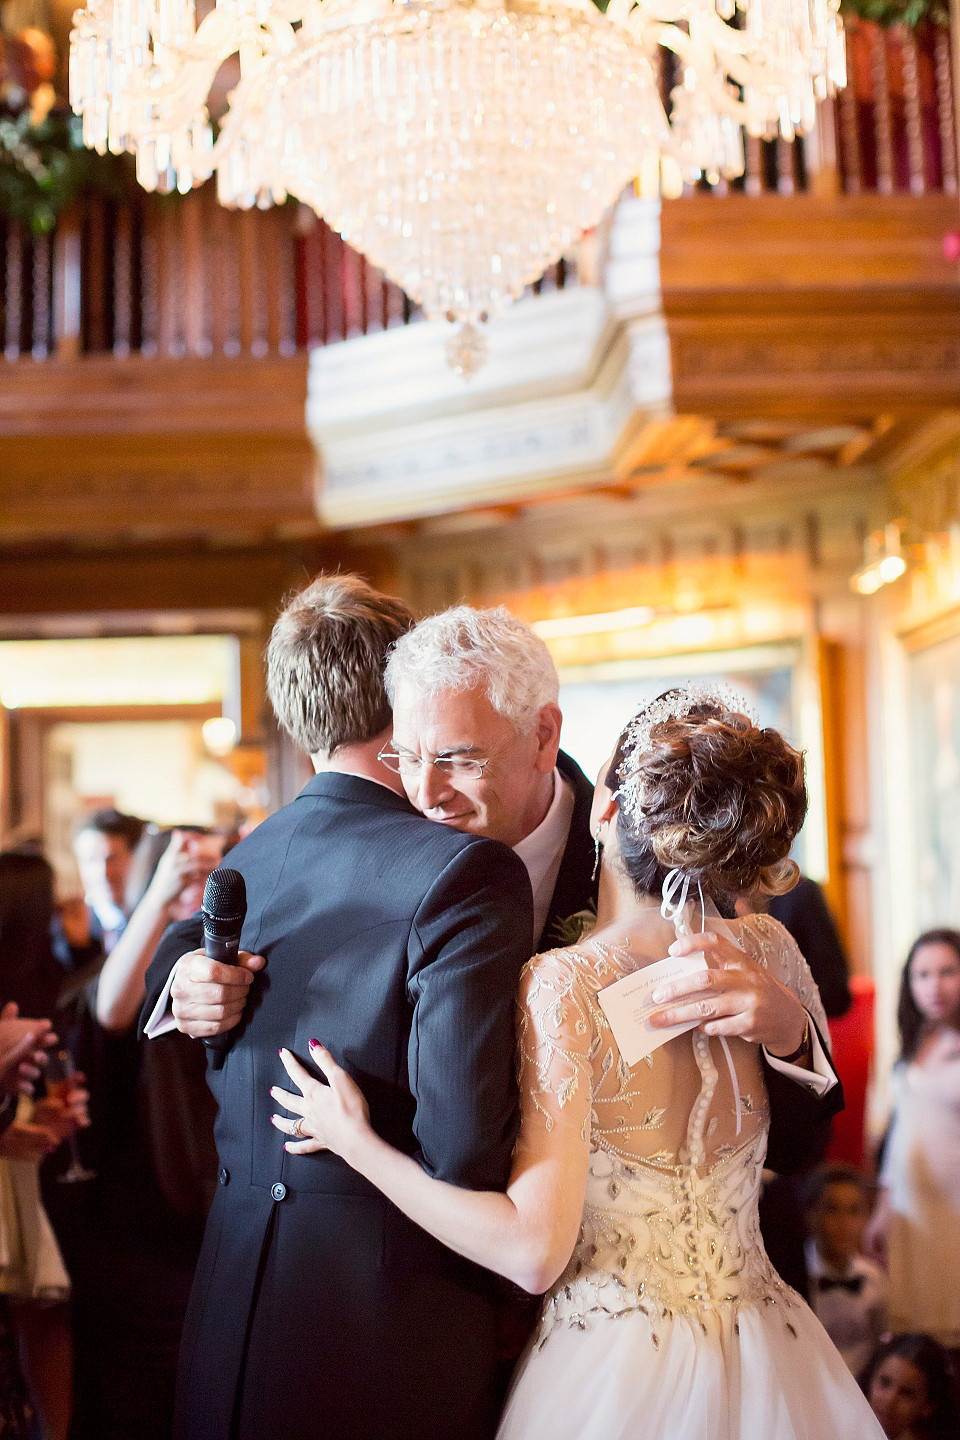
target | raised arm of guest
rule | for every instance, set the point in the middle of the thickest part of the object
(176, 888)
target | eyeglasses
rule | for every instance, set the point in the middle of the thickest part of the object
(460, 767)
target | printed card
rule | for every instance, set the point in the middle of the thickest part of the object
(628, 1006)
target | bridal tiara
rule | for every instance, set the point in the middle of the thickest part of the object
(674, 705)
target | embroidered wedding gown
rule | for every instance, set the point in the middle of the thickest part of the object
(669, 1322)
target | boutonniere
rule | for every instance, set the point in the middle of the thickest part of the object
(571, 929)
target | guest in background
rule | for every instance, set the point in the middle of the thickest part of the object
(132, 1233)
(103, 844)
(909, 1384)
(32, 1274)
(172, 867)
(29, 973)
(915, 1226)
(848, 1292)
(805, 913)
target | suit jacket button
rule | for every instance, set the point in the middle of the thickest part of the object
(279, 1191)
(224, 1176)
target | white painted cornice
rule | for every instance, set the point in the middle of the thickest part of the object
(570, 378)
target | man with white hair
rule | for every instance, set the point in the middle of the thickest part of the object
(476, 742)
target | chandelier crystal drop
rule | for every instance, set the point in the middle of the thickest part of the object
(461, 145)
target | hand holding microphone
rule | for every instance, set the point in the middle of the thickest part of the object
(211, 986)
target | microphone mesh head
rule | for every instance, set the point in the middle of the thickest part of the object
(225, 894)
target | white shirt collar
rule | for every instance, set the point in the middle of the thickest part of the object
(542, 850)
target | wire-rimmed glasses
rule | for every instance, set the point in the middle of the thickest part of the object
(455, 767)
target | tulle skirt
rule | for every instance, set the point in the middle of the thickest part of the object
(766, 1373)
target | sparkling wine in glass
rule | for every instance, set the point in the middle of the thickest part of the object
(60, 1073)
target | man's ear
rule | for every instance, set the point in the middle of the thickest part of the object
(548, 738)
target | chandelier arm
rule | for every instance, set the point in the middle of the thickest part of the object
(709, 64)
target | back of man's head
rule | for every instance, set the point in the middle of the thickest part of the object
(464, 649)
(325, 662)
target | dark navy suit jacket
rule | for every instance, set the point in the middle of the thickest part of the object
(319, 1312)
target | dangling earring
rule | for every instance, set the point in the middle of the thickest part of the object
(597, 851)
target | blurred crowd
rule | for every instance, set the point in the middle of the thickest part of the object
(102, 1249)
(107, 1163)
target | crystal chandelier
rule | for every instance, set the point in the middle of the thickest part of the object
(461, 145)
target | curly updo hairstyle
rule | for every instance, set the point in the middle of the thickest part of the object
(719, 799)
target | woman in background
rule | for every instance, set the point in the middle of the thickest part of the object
(909, 1385)
(32, 1275)
(915, 1227)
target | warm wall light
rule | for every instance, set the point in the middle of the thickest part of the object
(566, 625)
(219, 735)
(883, 560)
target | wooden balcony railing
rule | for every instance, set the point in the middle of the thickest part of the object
(892, 129)
(180, 275)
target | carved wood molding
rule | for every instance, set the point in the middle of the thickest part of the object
(820, 352)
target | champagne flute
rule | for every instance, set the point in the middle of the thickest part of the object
(60, 1073)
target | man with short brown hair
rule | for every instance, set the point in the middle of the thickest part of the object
(325, 662)
(318, 1311)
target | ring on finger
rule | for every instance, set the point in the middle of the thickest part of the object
(298, 1128)
(706, 1009)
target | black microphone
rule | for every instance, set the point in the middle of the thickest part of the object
(224, 910)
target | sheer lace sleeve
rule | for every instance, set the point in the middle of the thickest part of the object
(771, 944)
(557, 1038)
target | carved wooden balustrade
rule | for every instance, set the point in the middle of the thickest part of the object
(893, 129)
(180, 276)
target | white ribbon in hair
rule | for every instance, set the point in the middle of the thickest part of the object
(676, 889)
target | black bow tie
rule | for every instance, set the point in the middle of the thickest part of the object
(854, 1284)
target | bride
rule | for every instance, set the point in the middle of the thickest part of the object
(633, 1196)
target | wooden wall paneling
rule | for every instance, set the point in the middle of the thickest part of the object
(41, 288)
(286, 297)
(351, 283)
(94, 275)
(821, 154)
(270, 280)
(151, 277)
(849, 110)
(332, 263)
(67, 281)
(786, 180)
(168, 278)
(946, 110)
(882, 118)
(13, 292)
(195, 336)
(247, 231)
(253, 690)
(853, 243)
(913, 111)
(123, 284)
(220, 259)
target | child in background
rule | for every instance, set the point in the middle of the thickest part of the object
(848, 1292)
(909, 1385)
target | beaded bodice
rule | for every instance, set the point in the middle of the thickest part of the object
(670, 1213)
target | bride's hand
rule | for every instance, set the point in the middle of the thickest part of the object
(329, 1117)
(735, 996)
